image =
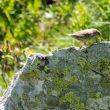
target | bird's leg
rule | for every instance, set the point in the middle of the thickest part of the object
(83, 45)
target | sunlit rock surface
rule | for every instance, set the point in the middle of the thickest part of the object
(68, 79)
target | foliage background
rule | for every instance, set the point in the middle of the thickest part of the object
(37, 26)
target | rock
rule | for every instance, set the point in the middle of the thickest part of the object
(68, 79)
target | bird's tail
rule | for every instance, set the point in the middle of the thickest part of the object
(71, 35)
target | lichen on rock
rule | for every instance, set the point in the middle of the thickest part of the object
(67, 79)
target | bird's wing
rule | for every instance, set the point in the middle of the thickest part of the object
(84, 33)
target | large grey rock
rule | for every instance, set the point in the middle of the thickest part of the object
(68, 79)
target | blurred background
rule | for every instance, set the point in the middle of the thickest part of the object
(41, 26)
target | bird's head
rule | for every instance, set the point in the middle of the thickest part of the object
(97, 32)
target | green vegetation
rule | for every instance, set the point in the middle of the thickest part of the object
(71, 100)
(34, 26)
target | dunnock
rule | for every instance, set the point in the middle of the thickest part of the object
(85, 34)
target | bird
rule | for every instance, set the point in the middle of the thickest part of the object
(85, 35)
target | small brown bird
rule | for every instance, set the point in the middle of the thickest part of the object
(86, 34)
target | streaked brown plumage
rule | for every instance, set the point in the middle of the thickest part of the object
(86, 34)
